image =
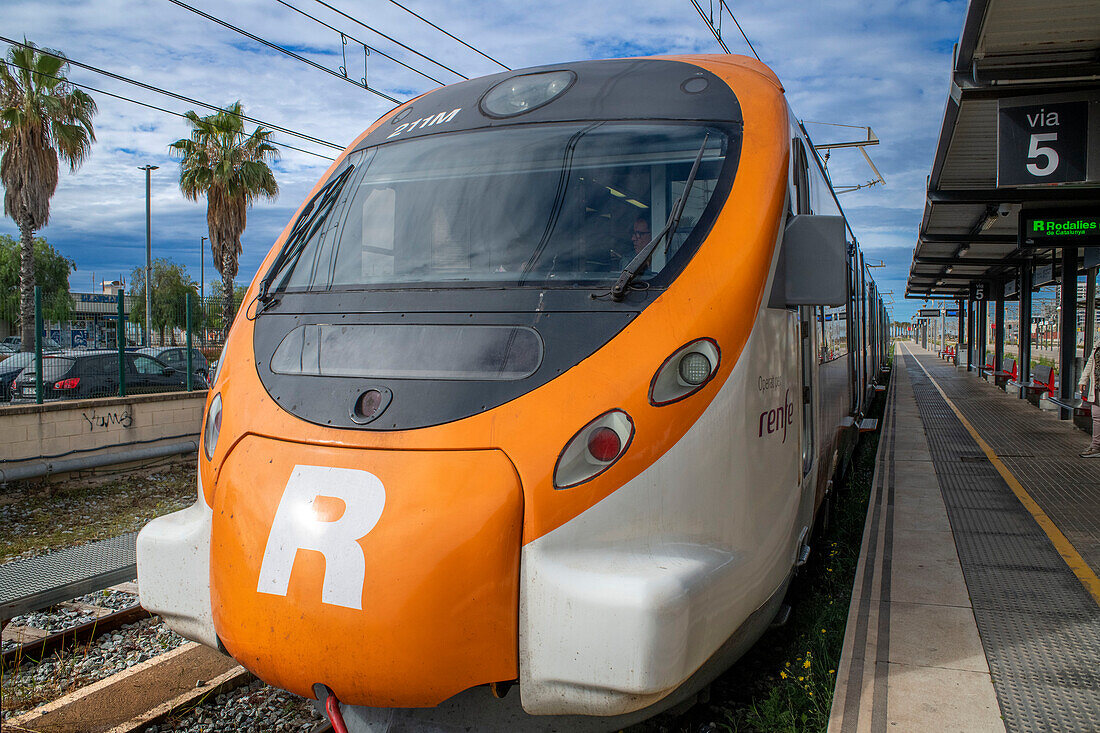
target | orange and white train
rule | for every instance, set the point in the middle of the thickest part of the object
(532, 406)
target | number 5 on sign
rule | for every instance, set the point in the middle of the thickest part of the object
(1035, 150)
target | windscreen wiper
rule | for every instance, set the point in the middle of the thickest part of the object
(618, 290)
(312, 218)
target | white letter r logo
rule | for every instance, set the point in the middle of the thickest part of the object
(297, 526)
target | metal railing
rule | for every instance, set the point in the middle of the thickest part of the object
(103, 348)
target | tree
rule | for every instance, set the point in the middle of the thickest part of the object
(216, 321)
(171, 284)
(229, 167)
(51, 272)
(42, 116)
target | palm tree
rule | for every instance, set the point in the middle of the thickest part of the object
(42, 116)
(230, 168)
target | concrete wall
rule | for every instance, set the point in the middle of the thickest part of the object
(97, 426)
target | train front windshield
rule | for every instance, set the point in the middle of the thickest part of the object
(543, 205)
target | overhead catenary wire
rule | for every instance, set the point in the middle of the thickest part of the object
(710, 25)
(282, 50)
(174, 95)
(722, 4)
(361, 43)
(389, 38)
(150, 106)
(433, 25)
(716, 31)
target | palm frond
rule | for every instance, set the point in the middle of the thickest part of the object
(42, 116)
(227, 164)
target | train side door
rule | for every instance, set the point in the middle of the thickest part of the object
(806, 315)
(802, 203)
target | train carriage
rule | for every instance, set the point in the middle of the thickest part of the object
(541, 389)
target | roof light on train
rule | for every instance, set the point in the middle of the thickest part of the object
(213, 427)
(685, 372)
(594, 449)
(525, 93)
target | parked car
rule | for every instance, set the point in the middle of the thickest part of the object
(7, 350)
(82, 374)
(48, 344)
(176, 357)
(9, 370)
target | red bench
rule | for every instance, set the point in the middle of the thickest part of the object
(1006, 373)
(1041, 384)
(988, 367)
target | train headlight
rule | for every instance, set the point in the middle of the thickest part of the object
(594, 449)
(685, 372)
(213, 427)
(694, 368)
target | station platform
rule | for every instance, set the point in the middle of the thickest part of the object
(976, 602)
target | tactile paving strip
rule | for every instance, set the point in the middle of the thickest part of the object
(1039, 626)
(38, 582)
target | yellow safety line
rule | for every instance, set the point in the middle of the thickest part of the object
(1068, 552)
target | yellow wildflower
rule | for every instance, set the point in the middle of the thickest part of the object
(782, 674)
(806, 664)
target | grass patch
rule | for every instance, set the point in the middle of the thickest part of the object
(48, 515)
(786, 681)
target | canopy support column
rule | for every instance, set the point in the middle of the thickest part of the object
(982, 329)
(1025, 327)
(1090, 311)
(999, 329)
(1067, 337)
(960, 304)
(970, 335)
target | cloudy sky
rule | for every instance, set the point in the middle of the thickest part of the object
(878, 63)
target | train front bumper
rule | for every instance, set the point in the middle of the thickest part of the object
(173, 558)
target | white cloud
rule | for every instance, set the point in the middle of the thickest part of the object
(879, 63)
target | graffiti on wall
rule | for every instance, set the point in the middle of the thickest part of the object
(106, 420)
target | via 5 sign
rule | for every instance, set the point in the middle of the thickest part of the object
(1042, 143)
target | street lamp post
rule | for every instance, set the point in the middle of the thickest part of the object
(202, 286)
(202, 270)
(148, 254)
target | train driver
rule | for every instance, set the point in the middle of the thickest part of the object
(639, 237)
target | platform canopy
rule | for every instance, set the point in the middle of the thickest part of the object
(1021, 132)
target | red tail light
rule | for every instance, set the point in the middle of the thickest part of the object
(594, 449)
(67, 383)
(604, 444)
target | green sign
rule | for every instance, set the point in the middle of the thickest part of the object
(1059, 229)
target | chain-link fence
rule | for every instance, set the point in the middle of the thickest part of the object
(112, 344)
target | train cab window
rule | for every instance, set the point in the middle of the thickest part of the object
(821, 192)
(542, 205)
(799, 176)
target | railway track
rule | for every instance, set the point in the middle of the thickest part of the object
(28, 642)
(186, 688)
